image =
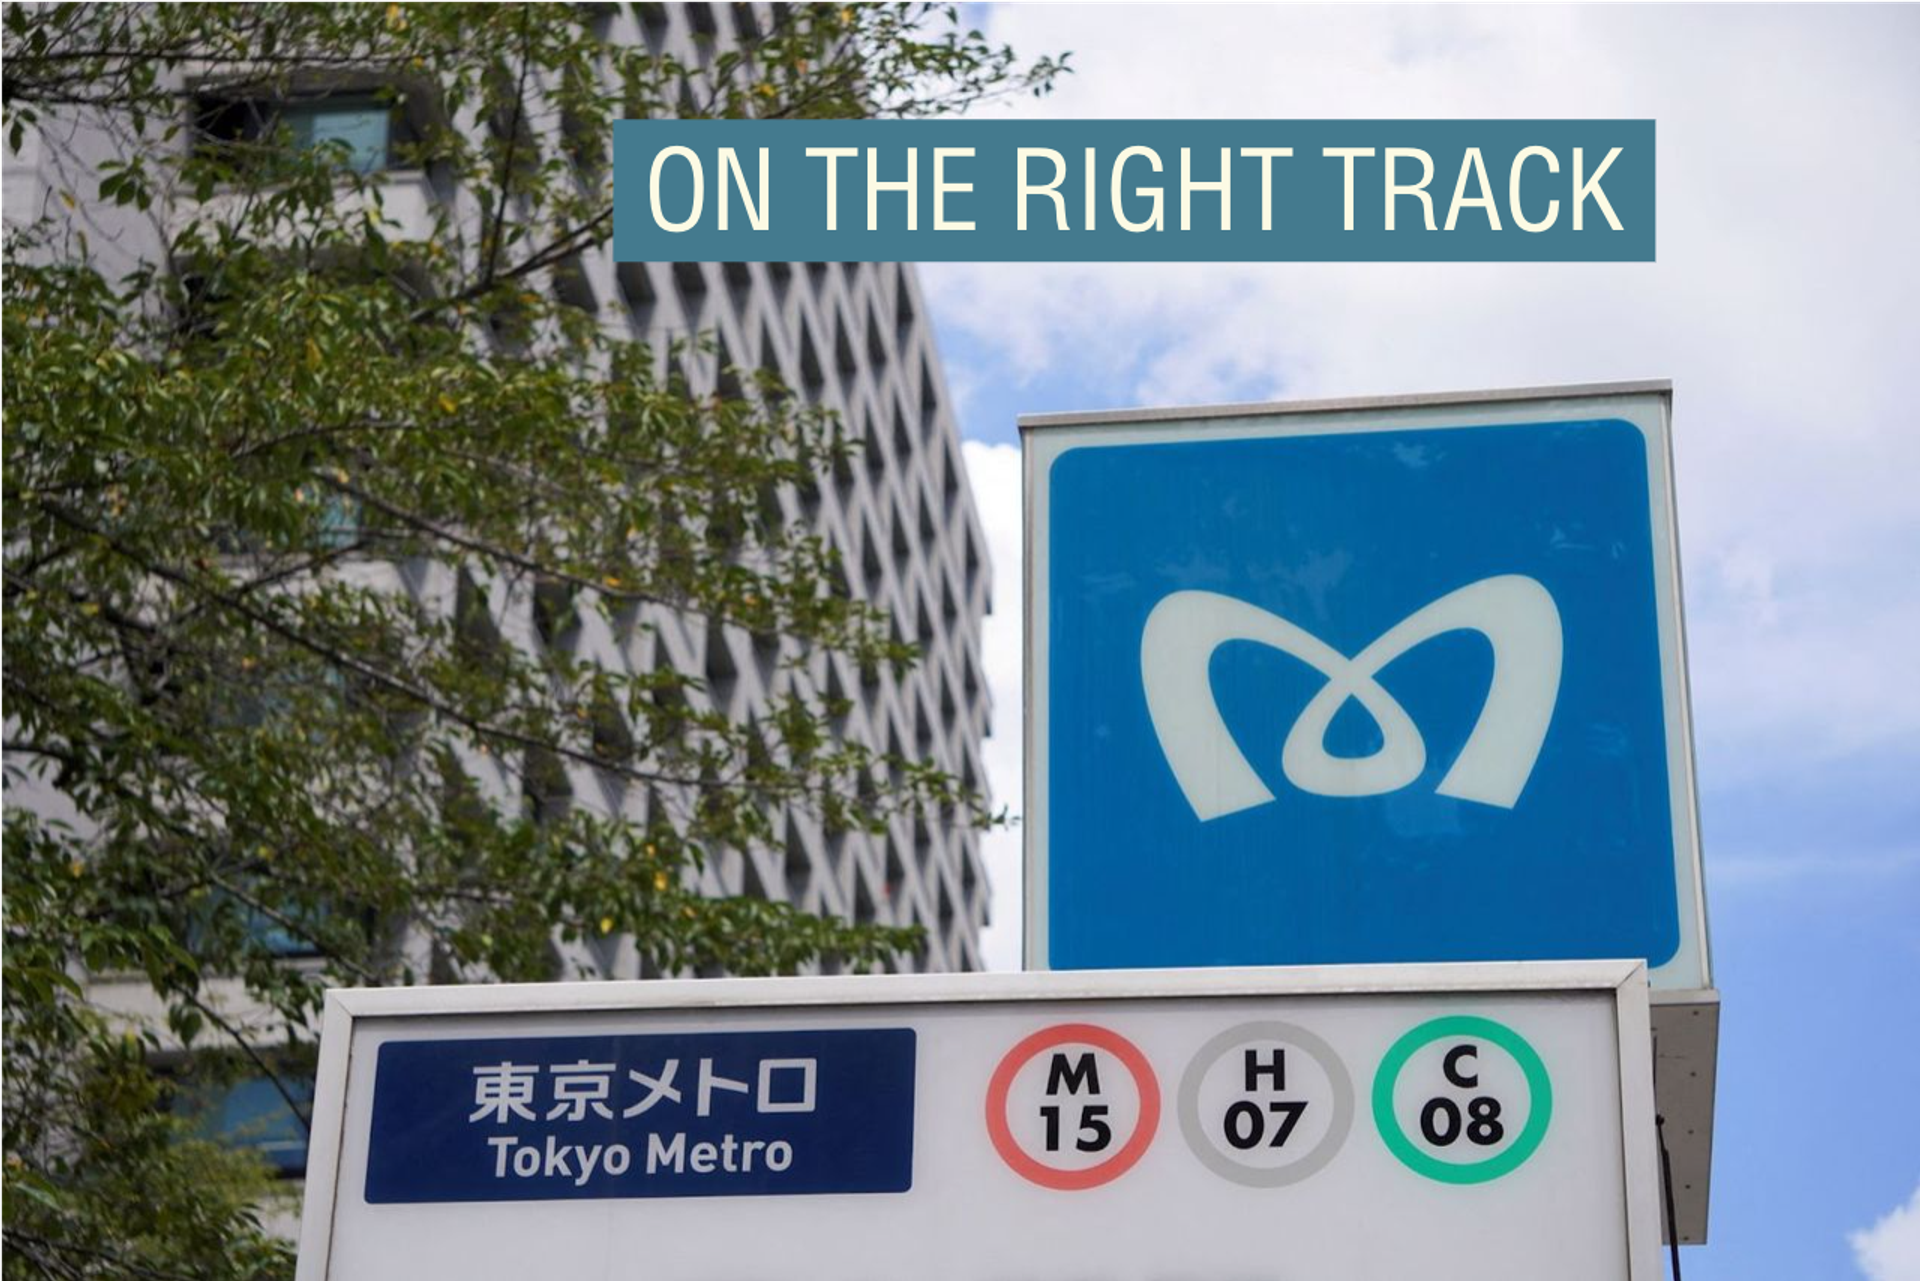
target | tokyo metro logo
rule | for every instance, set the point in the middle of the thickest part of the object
(1513, 612)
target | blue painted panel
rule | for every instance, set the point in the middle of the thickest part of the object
(1344, 536)
(593, 1117)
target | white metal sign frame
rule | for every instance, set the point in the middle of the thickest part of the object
(1624, 982)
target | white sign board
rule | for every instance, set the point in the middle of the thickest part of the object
(1443, 1121)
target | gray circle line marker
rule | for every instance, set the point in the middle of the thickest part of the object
(1266, 1176)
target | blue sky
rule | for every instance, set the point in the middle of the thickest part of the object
(1782, 306)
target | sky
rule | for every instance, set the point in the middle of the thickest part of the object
(1785, 307)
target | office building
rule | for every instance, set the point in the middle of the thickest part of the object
(854, 338)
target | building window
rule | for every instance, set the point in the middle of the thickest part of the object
(364, 126)
(281, 939)
(252, 1114)
(361, 123)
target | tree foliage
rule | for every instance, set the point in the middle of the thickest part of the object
(279, 463)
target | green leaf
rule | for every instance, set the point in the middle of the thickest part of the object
(223, 466)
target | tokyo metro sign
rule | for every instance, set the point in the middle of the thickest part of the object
(1186, 629)
(1360, 682)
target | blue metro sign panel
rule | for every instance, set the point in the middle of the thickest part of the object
(1361, 684)
(682, 1114)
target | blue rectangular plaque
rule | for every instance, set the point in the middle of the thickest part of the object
(666, 1115)
(1387, 686)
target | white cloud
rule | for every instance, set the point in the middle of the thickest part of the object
(994, 473)
(1803, 869)
(1781, 305)
(1890, 1249)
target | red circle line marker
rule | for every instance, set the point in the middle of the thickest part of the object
(1092, 1176)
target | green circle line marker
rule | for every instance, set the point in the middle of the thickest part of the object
(1539, 1099)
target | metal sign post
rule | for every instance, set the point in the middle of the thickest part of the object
(1444, 1121)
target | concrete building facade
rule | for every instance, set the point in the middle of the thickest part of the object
(853, 338)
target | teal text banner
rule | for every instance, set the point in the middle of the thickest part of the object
(1135, 190)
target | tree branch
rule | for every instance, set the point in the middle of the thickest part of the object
(513, 142)
(254, 1056)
